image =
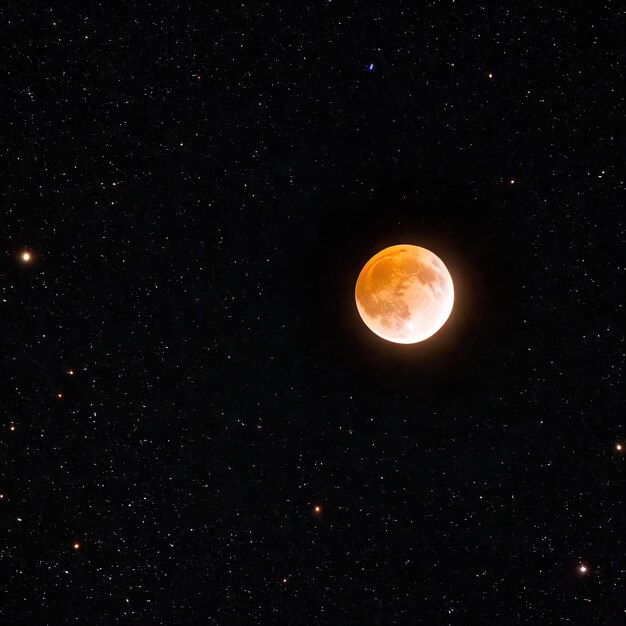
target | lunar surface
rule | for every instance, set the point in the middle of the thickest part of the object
(404, 294)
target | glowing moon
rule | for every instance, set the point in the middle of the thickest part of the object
(404, 294)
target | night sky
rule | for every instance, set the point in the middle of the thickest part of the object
(197, 427)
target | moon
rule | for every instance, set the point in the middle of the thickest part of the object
(404, 294)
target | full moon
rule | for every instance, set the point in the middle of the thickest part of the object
(404, 294)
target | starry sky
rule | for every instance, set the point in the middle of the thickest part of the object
(197, 428)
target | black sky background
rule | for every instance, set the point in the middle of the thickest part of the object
(199, 186)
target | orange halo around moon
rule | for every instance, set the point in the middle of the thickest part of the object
(404, 294)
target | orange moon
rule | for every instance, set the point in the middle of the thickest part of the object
(404, 294)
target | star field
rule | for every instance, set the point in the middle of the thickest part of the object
(196, 425)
